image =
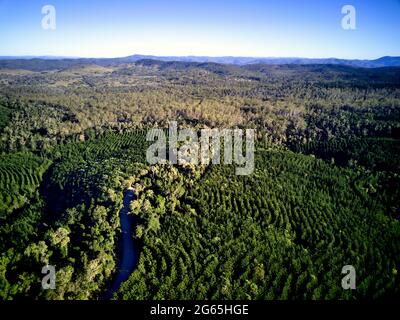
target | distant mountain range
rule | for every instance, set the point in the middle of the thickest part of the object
(377, 63)
(52, 62)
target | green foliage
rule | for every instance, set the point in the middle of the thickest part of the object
(5, 114)
(378, 154)
(20, 176)
(203, 233)
(284, 232)
(73, 223)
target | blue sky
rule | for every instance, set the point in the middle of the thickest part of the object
(284, 28)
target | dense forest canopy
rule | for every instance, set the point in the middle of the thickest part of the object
(325, 192)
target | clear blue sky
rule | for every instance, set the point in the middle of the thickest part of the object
(285, 28)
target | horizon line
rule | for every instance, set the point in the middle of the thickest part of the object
(28, 56)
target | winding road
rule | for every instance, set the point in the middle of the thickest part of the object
(128, 256)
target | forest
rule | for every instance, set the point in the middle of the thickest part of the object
(325, 191)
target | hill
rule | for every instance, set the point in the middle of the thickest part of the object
(52, 63)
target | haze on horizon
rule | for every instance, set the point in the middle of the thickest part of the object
(253, 28)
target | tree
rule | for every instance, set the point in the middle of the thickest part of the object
(39, 252)
(60, 239)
